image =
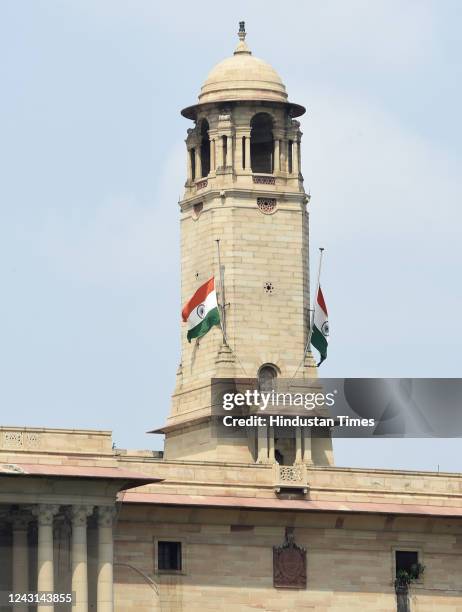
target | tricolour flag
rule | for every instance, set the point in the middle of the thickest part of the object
(320, 334)
(201, 311)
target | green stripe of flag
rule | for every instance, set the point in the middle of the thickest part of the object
(212, 318)
(319, 341)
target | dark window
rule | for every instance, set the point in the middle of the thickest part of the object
(169, 556)
(261, 143)
(205, 148)
(406, 560)
(192, 156)
(267, 374)
(289, 156)
(224, 141)
(278, 455)
(243, 151)
(284, 446)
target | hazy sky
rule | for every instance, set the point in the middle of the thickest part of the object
(92, 165)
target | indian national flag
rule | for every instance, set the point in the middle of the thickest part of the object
(320, 335)
(201, 311)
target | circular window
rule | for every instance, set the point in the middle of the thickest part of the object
(266, 205)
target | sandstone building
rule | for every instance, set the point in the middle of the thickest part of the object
(261, 522)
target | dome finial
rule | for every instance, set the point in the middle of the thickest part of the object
(242, 45)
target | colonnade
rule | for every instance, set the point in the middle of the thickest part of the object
(78, 515)
(233, 151)
(266, 445)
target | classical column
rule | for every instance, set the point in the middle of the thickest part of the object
(219, 152)
(198, 162)
(241, 161)
(79, 515)
(45, 568)
(248, 164)
(105, 585)
(283, 151)
(271, 455)
(277, 156)
(20, 556)
(307, 458)
(229, 151)
(212, 156)
(298, 445)
(189, 165)
(295, 158)
(262, 444)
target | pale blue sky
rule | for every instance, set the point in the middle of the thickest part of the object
(92, 165)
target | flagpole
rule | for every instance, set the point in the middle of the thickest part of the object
(310, 331)
(222, 295)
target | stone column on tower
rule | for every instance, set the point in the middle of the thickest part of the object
(262, 434)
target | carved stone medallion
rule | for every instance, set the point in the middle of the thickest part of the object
(289, 563)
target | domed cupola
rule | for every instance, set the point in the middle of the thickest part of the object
(243, 77)
(244, 131)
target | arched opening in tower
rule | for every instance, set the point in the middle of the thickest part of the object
(261, 143)
(205, 148)
(267, 375)
(284, 445)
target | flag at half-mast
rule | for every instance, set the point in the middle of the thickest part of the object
(201, 311)
(320, 333)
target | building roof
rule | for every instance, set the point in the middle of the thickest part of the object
(75, 471)
(307, 505)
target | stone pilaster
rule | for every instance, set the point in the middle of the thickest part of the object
(307, 455)
(262, 445)
(298, 445)
(271, 453)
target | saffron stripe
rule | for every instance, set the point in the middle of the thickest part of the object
(321, 301)
(198, 298)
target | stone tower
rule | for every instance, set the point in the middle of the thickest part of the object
(244, 188)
